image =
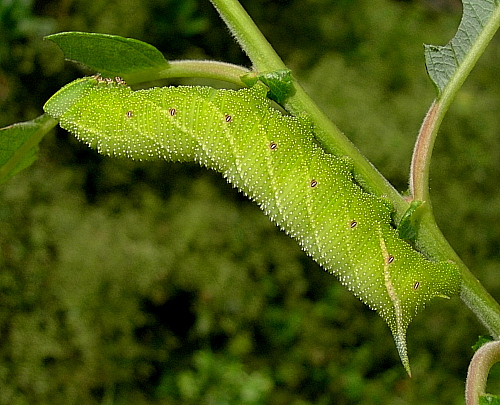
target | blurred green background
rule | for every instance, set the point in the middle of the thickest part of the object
(157, 283)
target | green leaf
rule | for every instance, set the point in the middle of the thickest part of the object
(453, 62)
(406, 228)
(19, 144)
(489, 399)
(109, 54)
(481, 341)
(279, 82)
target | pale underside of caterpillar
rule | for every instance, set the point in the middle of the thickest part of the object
(274, 160)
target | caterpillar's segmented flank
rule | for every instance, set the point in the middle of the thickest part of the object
(273, 159)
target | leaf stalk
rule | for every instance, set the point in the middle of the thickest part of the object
(206, 69)
(477, 375)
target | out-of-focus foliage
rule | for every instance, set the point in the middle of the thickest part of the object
(130, 283)
(20, 49)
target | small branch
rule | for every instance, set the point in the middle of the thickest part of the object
(207, 69)
(422, 153)
(480, 302)
(479, 368)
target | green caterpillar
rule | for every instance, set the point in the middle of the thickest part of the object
(274, 160)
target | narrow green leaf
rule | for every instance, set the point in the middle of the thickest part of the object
(109, 54)
(19, 144)
(454, 61)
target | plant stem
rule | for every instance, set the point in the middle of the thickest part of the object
(248, 35)
(421, 159)
(480, 302)
(477, 375)
(193, 68)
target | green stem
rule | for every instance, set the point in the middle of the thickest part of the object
(420, 165)
(192, 68)
(480, 302)
(248, 35)
(477, 375)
